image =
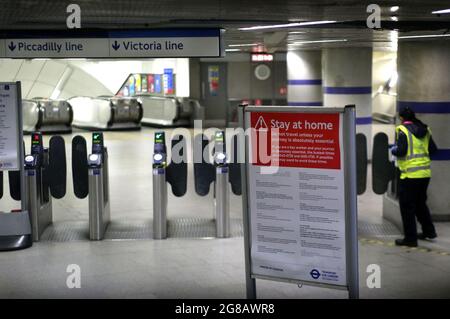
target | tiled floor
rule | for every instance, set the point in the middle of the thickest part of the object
(195, 267)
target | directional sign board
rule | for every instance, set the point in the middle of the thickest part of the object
(2, 48)
(299, 195)
(10, 133)
(113, 44)
(56, 48)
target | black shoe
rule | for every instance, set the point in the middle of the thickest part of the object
(403, 242)
(424, 237)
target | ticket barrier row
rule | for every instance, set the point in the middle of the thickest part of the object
(46, 179)
(223, 170)
(220, 172)
(45, 175)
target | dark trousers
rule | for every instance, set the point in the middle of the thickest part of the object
(412, 199)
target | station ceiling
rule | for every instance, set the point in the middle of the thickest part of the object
(413, 17)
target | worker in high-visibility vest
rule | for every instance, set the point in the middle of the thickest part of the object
(413, 146)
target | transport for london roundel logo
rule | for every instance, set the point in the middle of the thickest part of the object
(315, 274)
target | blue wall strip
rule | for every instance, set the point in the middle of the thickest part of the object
(441, 155)
(426, 107)
(363, 120)
(305, 82)
(347, 90)
(305, 103)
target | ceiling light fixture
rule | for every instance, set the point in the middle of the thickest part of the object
(441, 11)
(232, 50)
(394, 18)
(424, 36)
(318, 41)
(243, 45)
(287, 25)
(394, 8)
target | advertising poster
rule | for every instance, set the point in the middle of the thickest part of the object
(158, 83)
(150, 83)
(297, 212)
(168, 81)
(144, 83)
(9, 130)
(213, 79)
(131, 86)
(137, 78)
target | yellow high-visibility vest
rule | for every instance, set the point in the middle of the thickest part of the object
(416, 162)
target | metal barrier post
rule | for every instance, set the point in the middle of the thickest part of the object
(159, 203)
(221, 206)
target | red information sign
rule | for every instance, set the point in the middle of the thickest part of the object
(296, 140)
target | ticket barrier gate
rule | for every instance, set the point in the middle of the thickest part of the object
(91, 178)
(45, 171)
(221, 172)
(361, 163)
(383, 169)
(175, 174)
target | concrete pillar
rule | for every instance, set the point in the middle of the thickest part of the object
(347, 74)
(304, 73)
(424, 85)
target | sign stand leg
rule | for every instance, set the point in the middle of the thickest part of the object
(250, 282)
(351, 203)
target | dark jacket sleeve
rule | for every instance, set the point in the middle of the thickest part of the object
(402, 145)
(432, 147)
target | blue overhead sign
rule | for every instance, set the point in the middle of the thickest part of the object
(112, 44)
